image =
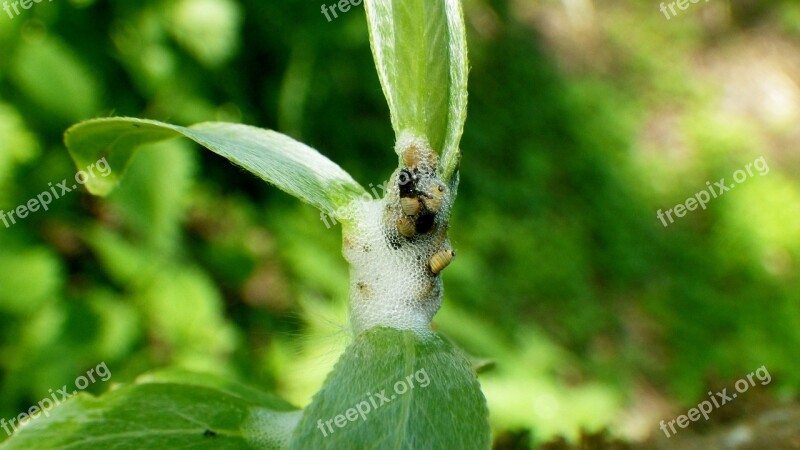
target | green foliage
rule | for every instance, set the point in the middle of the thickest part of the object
(581, 127)
(24, 295)
(71, 92)
(276, 158)
(164, 410)
(201, 417)
(420, 51)
(410, 391)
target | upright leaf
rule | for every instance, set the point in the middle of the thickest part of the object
(420, 51)
(276, 158)
(396, 389)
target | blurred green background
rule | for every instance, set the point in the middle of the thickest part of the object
(585, 118)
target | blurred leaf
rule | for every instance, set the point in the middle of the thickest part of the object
(440, 407)
(124, 262)
(119, 324)
(181, 304)
(29, 278)
(290, 165)
(295, 87)
(208, 29)
(54, 77)
(185, 310)
(420, 51)
(160, 415)
(18, 144)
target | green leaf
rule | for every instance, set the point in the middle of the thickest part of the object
(434, 399)
(200, 412)
(420, 51)
(236, 389)
(70, 91)
(30, 278)
(276, 158)
(208, 29)
(124, 262)
(19, 146)
(185, 312)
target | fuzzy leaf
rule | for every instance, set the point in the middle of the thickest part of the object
(420, 51)
(200, 412)
(276, 158)
(438, 406)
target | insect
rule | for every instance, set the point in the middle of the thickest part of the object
(411, 156)
(434, 201)
(440, 260)
(410, 205)
(406, 226)
(406, 182)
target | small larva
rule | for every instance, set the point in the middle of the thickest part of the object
(406, 226)
(410, 205)
(411, 156)
(434, 201)
(440, 260)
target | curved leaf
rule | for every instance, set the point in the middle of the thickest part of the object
(420, 51)
(276, 158)
(396, 389)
